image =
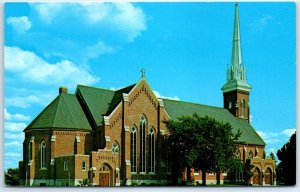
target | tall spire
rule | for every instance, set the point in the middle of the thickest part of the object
(236, 58)
(236, 72)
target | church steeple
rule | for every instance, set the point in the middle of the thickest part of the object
(236, 72)
(236, 89)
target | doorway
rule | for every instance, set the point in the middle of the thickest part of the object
(105, 176)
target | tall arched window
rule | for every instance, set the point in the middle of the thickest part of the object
(29, 151)
(133, 149)
(243, 105)
(143, 128)
(152, 151)
(43, 155)
(115, 148)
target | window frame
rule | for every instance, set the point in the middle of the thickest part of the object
(152, 150)
(66, 166)
(83, 166)
(143, 139)
(43, 151)
(133, 149)
(115, 148)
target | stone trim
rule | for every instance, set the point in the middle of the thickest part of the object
(127, 162)
(52, 162)
(161, 103)
(162, 132)
(107, 138)
(125, 97)
(127, 128)
(32, 139)
(78, 139)
(53, 138)
(106, 120)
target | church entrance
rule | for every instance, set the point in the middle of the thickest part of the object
(256, 176)
(268, 177)
(104, 176)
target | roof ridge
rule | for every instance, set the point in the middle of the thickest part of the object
(59, 98)
(40, 114)
(105, 89)
(125, 87)
(71, 113)
(192, 103)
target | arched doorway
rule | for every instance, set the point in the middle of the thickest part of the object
(256, 176)
(268, 176)
(105, 176)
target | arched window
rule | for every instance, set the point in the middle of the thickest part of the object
(115, 148)
(133, 149)
(152, 151)
(250, 155)
(243, 105)
(29, 151)
(143, 128)
(43, 155)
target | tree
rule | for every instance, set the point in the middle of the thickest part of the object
(12, 177)
(203, 143)
(272, 156)
(248, 171)
(286, 169)
(85, 183)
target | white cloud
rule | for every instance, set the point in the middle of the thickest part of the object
(288, 132)
(15, 127)
(12, 154)
(47, 11)
(94, 51)
(14, 136)
(262, 23)
(19, 24)
(35, 69)
(121, 16)
(23, 102)
(276, 137)
(157, 94)
(18, 117)
(13, 144)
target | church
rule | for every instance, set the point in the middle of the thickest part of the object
(113, 137)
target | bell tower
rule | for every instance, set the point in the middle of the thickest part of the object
(236, 90)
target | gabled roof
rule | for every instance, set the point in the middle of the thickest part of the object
(176, 109)
(64, 112)
(100, 102)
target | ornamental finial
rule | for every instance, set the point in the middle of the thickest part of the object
(143, 73)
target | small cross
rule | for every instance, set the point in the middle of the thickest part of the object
(143, 73)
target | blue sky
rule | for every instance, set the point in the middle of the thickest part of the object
(184, 48)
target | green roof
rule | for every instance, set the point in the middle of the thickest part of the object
(101, 102)
(64, 112)
(177, 109)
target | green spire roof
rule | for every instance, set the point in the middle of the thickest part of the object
(64, 112)
(176, 109)
(236, 72)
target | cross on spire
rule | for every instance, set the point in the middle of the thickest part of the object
(143, 73)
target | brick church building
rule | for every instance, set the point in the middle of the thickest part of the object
(113, 138)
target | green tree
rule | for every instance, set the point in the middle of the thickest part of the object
(203, 143)
(248, 171)
(286, 169)
(12, 176)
